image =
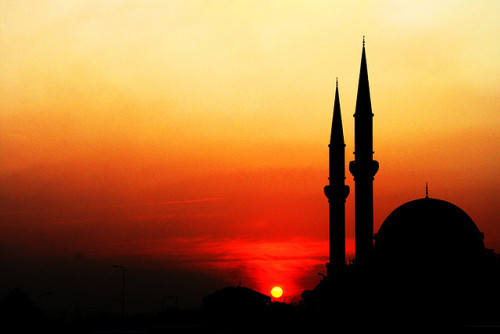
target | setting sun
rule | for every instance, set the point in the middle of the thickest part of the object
(276, 292)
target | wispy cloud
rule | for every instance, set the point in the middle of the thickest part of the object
(187, 201)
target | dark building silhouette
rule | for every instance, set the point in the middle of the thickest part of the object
(429, 233)
(426, 263)
(235, 299)
(430, 263)
(18, 311)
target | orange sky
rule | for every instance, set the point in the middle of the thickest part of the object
(196, 132)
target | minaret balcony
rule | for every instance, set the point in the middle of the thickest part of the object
(363, 170)
(330, 192)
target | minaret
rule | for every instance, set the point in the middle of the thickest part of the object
(363, 168)
(337, 191)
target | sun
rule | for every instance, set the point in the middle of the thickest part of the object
(276, 292)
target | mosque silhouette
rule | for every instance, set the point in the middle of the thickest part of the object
(425, 268)
(427, 262)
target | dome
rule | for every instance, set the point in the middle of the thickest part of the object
(427, 231)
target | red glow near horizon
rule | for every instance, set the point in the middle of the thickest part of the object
(262, 265)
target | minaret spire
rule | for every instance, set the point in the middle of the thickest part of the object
(337, 135)
(337, 191)
(363, 168)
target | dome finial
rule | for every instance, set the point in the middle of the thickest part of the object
(337, 81)
(363, 40)
(426, 190)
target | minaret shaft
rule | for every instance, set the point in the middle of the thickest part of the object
(336, 191)
(363, 168)
(336, 199)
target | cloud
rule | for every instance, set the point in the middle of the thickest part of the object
(209, 199)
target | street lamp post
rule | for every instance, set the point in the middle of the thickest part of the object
(123, 287)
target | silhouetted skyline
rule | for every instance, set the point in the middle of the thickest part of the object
(426, 267)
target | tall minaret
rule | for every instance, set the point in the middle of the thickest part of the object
(337, 191)
(363, 168)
